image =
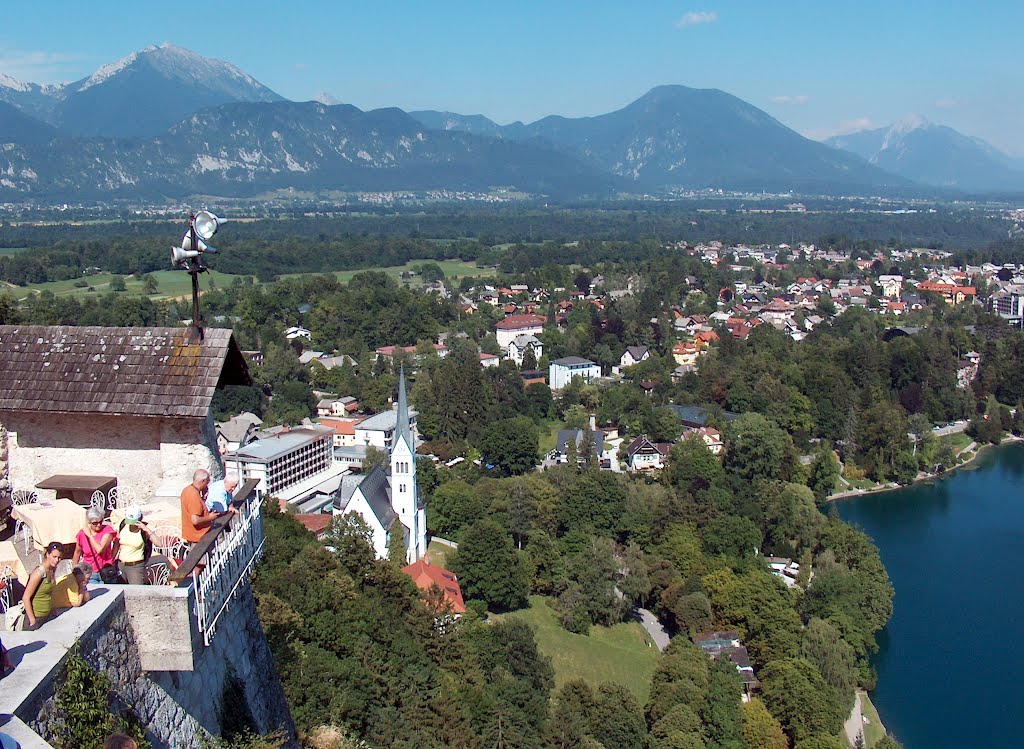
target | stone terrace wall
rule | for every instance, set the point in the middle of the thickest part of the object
(178, 708)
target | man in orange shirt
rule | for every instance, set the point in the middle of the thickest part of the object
(195, 518)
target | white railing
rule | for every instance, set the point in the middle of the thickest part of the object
(227, 564)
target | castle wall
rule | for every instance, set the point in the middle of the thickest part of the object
(178, 708)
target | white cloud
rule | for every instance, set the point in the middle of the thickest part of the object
(38, 66)
(695, 18)
(799, 99)
(325, 98)
(843, 128)
(947, 103)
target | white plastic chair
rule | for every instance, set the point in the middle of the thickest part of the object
(22, 497)
(6, 580)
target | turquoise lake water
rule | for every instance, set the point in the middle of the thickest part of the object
(949, 662)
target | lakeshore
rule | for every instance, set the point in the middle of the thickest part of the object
(975, 521)
(975, 449)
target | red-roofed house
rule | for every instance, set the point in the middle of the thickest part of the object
(317, 523)
(425, 575)
(506, 330)
(344, 430)
(952, 293)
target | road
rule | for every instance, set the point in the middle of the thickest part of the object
(654, 629)
(955, 428)
(855, 723)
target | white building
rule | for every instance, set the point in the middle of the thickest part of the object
(514, 325)
(379, 430)
(384, 497)
(561, 371)
(632, 356)
(892, 286)
(292, 465)
(523, 342)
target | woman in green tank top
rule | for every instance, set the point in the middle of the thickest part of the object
(38, 597)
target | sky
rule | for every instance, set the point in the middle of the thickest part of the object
(823, 68)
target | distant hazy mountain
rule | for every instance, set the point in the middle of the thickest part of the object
(244, 149)
(18, 127)
(142, 94)
(679, 136)
(934, 155)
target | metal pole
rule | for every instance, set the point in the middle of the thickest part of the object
(194, 271)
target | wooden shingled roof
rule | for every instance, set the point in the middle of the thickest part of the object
(154, 372)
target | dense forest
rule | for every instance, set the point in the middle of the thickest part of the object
(309, 244)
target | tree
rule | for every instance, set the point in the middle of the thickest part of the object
(796, 694)
(692, 467)
(757, 449)
(396, 544)
(453, 506)
(150, 284)
(490, 568)
(529, 359)
(375, 457)
(721, 713)
(117, 284)
(760, 729)
(576, 417)
(510, 446)
(732, 535)
(824, 647)
(824, 473)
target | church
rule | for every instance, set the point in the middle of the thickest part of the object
(384, 496)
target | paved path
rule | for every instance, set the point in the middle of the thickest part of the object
(855, 723)
(654, 628)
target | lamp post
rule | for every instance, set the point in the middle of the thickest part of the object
(188, 257)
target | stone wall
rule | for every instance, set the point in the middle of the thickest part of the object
(150, 455)
(179, 708)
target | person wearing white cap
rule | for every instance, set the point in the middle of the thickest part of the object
(134, 544)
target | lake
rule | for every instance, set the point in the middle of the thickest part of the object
(948, 660)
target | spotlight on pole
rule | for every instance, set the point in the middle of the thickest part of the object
(188, 256)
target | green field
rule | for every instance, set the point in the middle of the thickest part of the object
(11, 250)
(438, 554)
(622, 654)
(173, 283)
(453, 269)
(549, 429)
(874, 731)
(170, 283)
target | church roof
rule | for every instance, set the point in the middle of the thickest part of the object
(376, 490)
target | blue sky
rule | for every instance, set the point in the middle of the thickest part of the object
(819, 67)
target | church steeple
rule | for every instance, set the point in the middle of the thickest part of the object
(402, 427)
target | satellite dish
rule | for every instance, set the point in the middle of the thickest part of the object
(206, 224)
(179, 256)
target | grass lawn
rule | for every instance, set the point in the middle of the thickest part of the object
(453, 269)
(548, 435)
(8, 251)
(621, 654)
(874, 731)
(170, 283)
(959, 440)
(438, 554)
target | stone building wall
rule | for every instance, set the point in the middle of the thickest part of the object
(178, 708)
(151, 455)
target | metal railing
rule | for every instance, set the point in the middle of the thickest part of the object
(223, 559)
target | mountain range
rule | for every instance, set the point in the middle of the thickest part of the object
(166, 123)
(935, 155)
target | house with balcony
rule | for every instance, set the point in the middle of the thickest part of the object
(515, 325)
(561, 371)
(522, 343)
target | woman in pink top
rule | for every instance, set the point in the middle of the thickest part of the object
(95, 544)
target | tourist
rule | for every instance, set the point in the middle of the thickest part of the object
(95, 544)
(195, 517)
(134, 545)
(38, 597)
(220, 494)
(119, 741)
(70, 592)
